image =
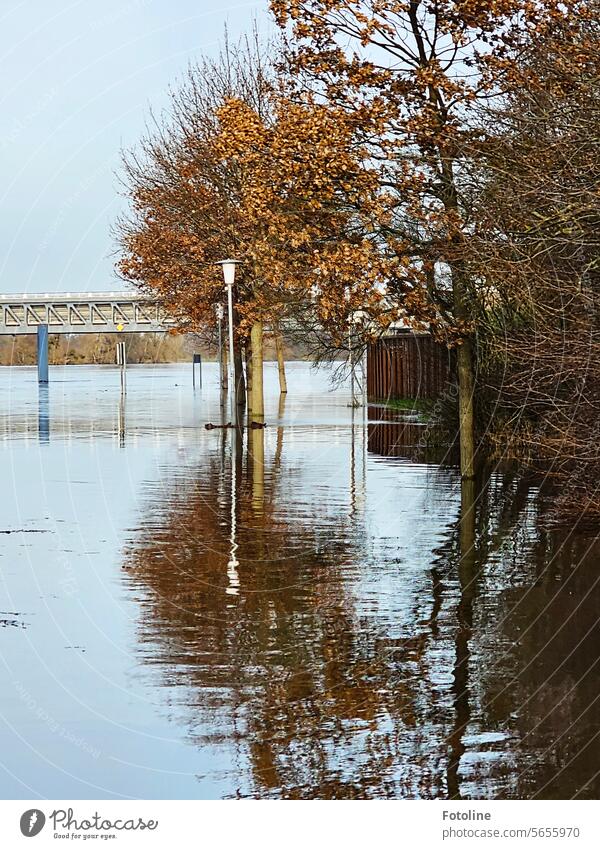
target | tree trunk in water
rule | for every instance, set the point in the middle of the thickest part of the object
(466, 415)
(223, 370)
(466, 378)
(464, 356)
(280, 361)
(257, 398)
(240, 383)
(248, 358)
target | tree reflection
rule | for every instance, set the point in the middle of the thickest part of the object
(251, 604)
(543, 682)
(320, 700)
(468, 568)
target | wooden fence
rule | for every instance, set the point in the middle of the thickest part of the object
(407, 366)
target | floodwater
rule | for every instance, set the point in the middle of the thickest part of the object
(319, 614)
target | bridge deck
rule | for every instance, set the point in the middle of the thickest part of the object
(87, 312)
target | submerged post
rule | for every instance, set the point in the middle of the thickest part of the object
(42, 353)
(280, 360)
(257, 402)
(197, 361)
(122, 361)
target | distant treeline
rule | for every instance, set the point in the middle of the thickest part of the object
(100, 348)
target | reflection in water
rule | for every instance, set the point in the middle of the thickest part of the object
(287, 612)
(43, 413)
(331, 659)
(395, 438)
(280, 415)
(257, 449)
(467, 578)
(358, 461)
(233, 563)
(121, 417)
(315, 616)
(287, 673)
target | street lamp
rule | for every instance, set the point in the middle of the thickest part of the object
(229, 266)
(219, 311)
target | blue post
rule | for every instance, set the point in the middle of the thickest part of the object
(42, 353)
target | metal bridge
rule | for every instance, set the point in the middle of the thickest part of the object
(87, 312)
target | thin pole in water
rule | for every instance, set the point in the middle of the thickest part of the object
(122, 361)
(221, 370)
(232, 386)
(42, 353)
(220, 312)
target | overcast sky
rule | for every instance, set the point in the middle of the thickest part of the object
(77, 81)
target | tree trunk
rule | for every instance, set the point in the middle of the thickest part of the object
(223, 376)
(240, 383)
(257, 398)
(248, 357)
(223, 356)
(465, 373)
(466, 415)
(464, 357)
(280, 361)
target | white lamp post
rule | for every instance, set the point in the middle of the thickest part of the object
(228, 266)
(219, 311)
(351, 352)
(359, 317)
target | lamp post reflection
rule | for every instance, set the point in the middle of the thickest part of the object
(358, 491)
(233, 578)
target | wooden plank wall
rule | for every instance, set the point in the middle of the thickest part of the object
(407, 366)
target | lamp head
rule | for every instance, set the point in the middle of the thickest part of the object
(228, 266)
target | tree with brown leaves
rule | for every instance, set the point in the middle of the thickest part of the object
(237, 169)
(538, 246)
(408, 74)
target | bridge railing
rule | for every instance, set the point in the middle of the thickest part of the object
(92, 312)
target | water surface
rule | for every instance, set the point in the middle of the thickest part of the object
(312, 610)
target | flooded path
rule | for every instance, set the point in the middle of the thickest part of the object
(323, 614)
